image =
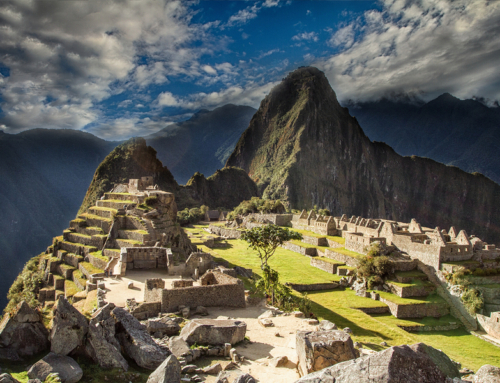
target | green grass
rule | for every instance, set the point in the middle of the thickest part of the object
(53, 259)
(102, 208)
(349, 253)
(462, 263)
(96, 217)
(82, 235)
(58, 277)
(79, 244)
(119, 193)
(431, 298)
(118, 201)
(339, 306)
(347, 267)
(328, 260)
(70, 288)
(413, 283)
(66, 267)
(307, 245)
(131, 241)
(91, 268)
(98, 255)
(293, 267)
(77, 274)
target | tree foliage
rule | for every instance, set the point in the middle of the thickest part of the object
(255, 205)
(374, 266)
(188, 216)
(266, 239)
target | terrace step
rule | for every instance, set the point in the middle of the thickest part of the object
(114, 204)
(90, 270)
(112, 253)
(120, 197)
(79, 279)
(137, 235)
(122, 242)
(90, 230)
(76, 248)
(72, 259)
(414, 308)
(70, 288)
(98, 221)
(58, 282)
(409, 290)
(66, 270)
(103, 211)
(408, 276)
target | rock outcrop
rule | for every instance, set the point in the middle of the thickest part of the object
(319, 349)
(66, 367)
(163, 326)
(303, 147)
(136, 341)
(487, 374)
(69, 328)
(22, 334)
(102, 344)
(396, 364)
(213, 331)
(168, 372)
(7, 378)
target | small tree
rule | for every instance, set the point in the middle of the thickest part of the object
(266, 239)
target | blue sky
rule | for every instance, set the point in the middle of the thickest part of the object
(127, 68)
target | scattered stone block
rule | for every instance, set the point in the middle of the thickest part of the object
(320, 349)
(168, 372)
(130, 285)
(298, 314)
(267, 314)
(213, 331)
(347, 330)
(266, 322)
(311, 322)
(201, 310)
(279, 361)
(136, 341)
(213, 369)
(326, 325)
(178, 346)
(395, 364)
(487, 374)
(189, 369)
(69, 328)
(234, 356)
(227, 349)
(69, 371)
(165, 325)
(245, 378)
(7, 378)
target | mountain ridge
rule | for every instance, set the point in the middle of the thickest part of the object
(330, 162)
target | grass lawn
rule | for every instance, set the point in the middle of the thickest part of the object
(339, 306)
(328, 260)
(417, 274)
(349, 253)
(413, 283)
(431, 298)
(308, 246)
(293, 267)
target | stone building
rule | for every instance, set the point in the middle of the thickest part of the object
(312, 222)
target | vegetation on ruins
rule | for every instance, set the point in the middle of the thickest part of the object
(26, 285)
(320, 212)
(194, 215)
(374, 269)
(266, 239)
(471, 297)
(256, 205)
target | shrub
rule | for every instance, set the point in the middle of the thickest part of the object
(188, 216)
(473, 300)
(374, 280)
(374, 266)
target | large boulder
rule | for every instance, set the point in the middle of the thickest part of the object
(165, 326)
(394, 365)
(440, 359)
(487, 374)
(319, 349)
(69, 328)
(213, 331)
(136, 341)
(7, 378)
(244, 378)
(168, 372)
(103, 346)
(22, 334)
(66, 367)
(178, 346)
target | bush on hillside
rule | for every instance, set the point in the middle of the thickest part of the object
(190, 216)
(26, 286)
(374, 266)
(256, 205)
(473, 300)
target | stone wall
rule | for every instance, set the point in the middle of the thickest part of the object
(198, 261)
(310, 251)
(426, 253)
(315, 240)
(146, 310)
(359, 243)
(225, 232)
(333, 244)
(349, 261)
(209, 296)
(97, 262)
(410, 291)
(152, 289)
(491, 325)
(324, 265)
(276, 219)
(313, 286)
(375, 310)
(449, 327)
(146, 257)
(418, 310)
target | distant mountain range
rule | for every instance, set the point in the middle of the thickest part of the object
(203, 143)
(463, 133)
(303, 147)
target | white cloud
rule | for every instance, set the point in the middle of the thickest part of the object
(167, 99)
(78, 53)
(209, 69)
(268, 53)
(419, 47)
(243, 16)
(306, 36)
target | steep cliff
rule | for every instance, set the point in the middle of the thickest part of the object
(303, 147)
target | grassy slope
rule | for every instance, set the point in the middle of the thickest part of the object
(338, 306)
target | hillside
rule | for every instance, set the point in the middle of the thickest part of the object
(44, 176)
(203, 143)
(302, 146)
(456, 132)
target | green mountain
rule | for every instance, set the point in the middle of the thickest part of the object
(303, 147)
(203, 143)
